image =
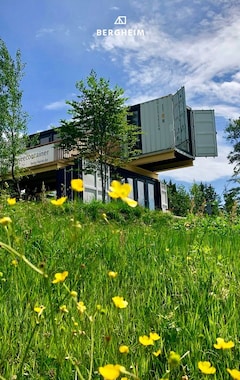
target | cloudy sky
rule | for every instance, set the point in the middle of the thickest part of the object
(177, 43)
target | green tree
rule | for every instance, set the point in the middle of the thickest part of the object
(98, 131)
(13, 130)
(204, 199)
(232, 132)
(231, 200)
(178, 199)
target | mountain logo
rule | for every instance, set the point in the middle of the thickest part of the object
(120, 20)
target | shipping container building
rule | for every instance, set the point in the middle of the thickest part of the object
(172, 135)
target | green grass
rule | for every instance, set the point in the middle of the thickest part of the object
(179, 276)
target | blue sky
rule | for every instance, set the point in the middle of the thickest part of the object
(195, 44)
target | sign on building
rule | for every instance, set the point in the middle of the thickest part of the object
(37, 156)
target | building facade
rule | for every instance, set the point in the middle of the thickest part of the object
(172, 136)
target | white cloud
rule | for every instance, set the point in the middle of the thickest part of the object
(205, 169)
(44, 31)
(205, 59)
(57, 30)
(60, 104)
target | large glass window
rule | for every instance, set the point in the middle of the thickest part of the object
(130, 181)
(140, 187)
(151, 202)
(89, 180)
(89, 195)
(45, 140)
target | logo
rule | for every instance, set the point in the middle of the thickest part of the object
(120, 20)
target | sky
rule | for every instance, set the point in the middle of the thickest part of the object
(176, 43)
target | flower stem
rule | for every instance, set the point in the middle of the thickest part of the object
(55, 335)
(11, 250)
(26, 351)
(92, 347)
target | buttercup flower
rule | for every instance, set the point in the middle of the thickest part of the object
(14, 262)
(234, 373)
(124, 349)
(111, 371)
(146, 340)
(39, 310)
(119, 190)
(5, 220)
(157, 353)
(59, 201)
(63, 309)
(11, 201)
(77, 185)
(112, 274)
(154, 336)
(60, 277)
(221, 344)
(73, 293)
(81, 307)
(206, 368)
(174, 359)
(119, 302)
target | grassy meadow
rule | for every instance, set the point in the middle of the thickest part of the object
(178, 276)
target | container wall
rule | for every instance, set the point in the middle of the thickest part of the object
(181, 127)
(204, 133)
(157, 125)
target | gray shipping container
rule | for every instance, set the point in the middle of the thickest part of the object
(167, 123)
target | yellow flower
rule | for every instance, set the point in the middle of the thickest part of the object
(39, 310)
(234, 373)
(14, 263)
(146, 341)
(124, 349)
(174, 359)
(124, 378)
(119, 302)
(118, 190)
(11, 201)
(60, 277)
(5, 220)
(157, 353)
(59, 201)
(77, 185)
(63, 309)
(221, 344)
(111, 371)
(154, 336)
(81, 307)
(73, 293)
(112, 274)
(206, 368)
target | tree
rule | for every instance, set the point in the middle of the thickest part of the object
(13, 130)
(178, 199)
(233, 136)
(232, 132)
(231, 200)
(98, 131)
(204, 199)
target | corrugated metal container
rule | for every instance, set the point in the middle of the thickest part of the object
(157, 125)
(181, 129)
(204, 133)
(173, 132)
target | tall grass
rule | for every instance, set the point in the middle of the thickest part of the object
(180, 278)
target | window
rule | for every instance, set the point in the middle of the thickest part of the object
(141, 198)
(151, 202)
